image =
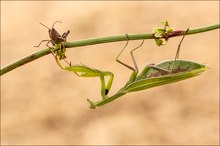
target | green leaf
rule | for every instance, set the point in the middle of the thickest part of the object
(170, 29)
(159, 42)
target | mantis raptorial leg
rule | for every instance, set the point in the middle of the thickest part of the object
(85, 71)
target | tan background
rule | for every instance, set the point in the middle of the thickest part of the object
(41, 104)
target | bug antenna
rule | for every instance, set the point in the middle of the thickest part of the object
(55, 23)
(44, 25)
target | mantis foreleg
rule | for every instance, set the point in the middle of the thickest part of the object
(105, 88)
(85, 71)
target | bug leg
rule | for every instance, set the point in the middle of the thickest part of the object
(42, 42)
(65, 34)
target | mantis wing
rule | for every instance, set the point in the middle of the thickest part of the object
(184, 70)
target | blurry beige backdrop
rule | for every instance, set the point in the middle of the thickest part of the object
(42, 104)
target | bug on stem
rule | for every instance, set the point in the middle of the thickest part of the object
(152, 75)
(58, 41)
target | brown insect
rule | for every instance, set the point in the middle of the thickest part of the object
(56, 38)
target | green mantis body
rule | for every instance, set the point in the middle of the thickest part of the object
(151, 76)
(148, 78)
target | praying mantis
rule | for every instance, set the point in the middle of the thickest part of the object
(152, 75)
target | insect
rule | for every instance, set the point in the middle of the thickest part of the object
(152, 75)
(58, 41)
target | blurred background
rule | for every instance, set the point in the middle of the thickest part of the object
(42, 104)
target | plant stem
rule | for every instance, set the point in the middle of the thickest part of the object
(101, 40)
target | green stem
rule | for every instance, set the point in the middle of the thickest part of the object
(101, 40)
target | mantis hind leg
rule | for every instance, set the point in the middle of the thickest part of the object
(132, 56)
(176, 57)
(119, 61)
(178, 50)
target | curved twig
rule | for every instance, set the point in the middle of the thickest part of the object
(100, 40)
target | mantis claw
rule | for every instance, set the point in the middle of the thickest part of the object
(91, 104)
